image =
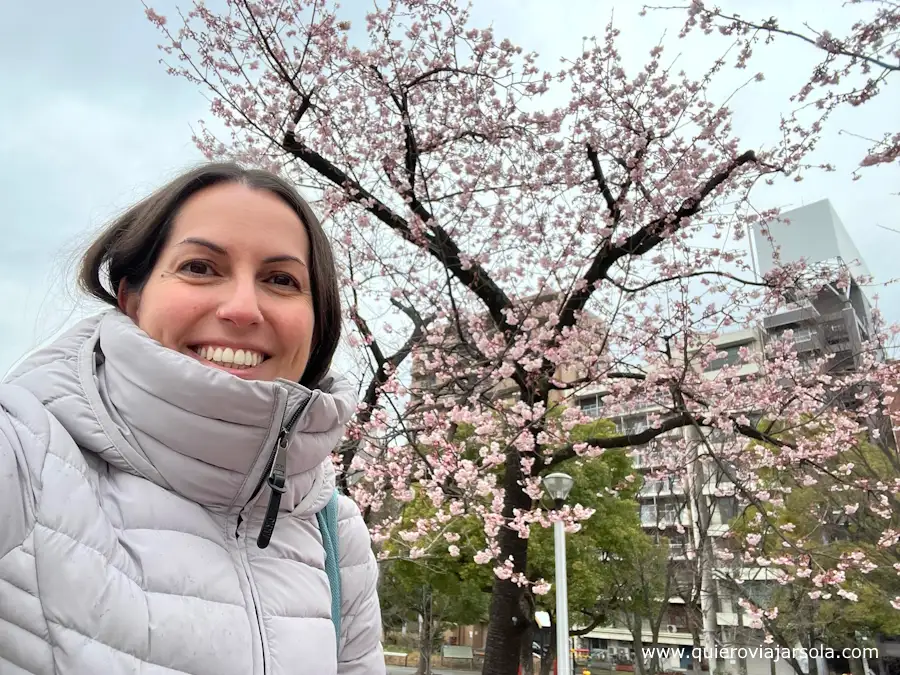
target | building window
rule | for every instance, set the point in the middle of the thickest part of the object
(428, 381)
(669, 485)
(758, 592)
(677, 546)
(728, 508)
(633, 424)
(669, 514)
(652, 487)
(800, 333)
(665, 514)
(732, 356)
(590, 406)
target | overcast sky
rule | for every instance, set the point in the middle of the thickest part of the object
(90, 122)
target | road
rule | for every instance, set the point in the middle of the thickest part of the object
(402, 670)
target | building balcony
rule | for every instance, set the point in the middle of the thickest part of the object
(797, 313)
(661, 488)
(811, 343)
(663, 519)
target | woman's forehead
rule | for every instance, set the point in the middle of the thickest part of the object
(234, 216)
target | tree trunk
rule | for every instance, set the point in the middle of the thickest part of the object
(739, 641)
(795, 664)
(526, 660)
(708, 595)
(696, 661)
(426, 640)
(704, 555)
(507, 622)
(742, 666)
(637, 628)
(655, 665)
(504, 638)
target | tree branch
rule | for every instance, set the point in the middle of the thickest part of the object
(623, 441)
(644, 239)
(657, 282)
(386, 366)
(438, 242)
(596, 620)
(771, 26)
(614, 210)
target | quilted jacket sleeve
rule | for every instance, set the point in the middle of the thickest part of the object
(360, 650)
(25, 428)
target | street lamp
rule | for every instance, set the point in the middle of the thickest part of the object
(558, 486)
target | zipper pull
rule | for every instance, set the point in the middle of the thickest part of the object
(278, 475)
(276, 482)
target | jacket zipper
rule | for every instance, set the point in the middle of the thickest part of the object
(275, 475)
(254, 598)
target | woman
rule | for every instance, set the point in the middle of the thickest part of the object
(162, 464)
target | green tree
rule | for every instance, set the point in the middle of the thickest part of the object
(437, 589)
(593, 553)
(647, 577)
(615, 572)
(835, 522)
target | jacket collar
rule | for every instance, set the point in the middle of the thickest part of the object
(197, 431)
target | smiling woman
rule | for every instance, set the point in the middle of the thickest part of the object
(233, 278)
(200, 259)
(170, 459)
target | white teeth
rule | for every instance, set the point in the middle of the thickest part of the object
(230, 357)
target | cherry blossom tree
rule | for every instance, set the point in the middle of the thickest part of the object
(561, 232)
(836, 514)
(855, 67)
(375, 369)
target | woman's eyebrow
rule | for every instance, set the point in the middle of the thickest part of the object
(221, 251)
(203, 242)
(284, 258)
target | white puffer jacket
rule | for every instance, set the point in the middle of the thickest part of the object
(130, 510)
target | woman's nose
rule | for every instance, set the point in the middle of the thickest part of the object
(240, 305)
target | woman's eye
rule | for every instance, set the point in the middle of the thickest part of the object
(197, 268)
(283, 280)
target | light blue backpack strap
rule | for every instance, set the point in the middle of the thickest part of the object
(328, 527)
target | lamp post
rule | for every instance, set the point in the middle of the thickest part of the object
(558, 486)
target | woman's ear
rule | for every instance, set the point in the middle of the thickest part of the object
(128, 300)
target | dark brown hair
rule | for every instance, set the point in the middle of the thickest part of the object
(130, 247)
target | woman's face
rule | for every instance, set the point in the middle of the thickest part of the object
(231, 288)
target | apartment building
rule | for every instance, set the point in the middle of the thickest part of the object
(835, 322)
(685, 510)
